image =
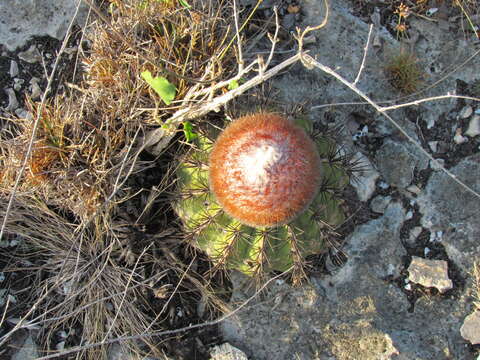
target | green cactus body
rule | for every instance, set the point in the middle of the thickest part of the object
(252, 250)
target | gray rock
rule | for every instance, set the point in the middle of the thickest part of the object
(414, 233)
(21, 20)
(227, 352)
(364, 184)
(430, 273)
(12, 100)
(448, 207)
(470, 329)
(396, 162)
(379, 203)
(13, 68)
(28, 351)
(465, 112)
(437, 165)
(473, 126)
(31, 55)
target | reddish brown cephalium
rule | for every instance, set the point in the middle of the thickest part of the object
(264, 170)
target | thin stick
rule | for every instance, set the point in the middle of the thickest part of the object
(239, 41)
(364, 55)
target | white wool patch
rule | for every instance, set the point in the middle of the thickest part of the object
(258, 162)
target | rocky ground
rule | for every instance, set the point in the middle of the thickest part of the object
(407, 290)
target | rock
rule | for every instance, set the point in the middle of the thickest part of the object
(227, 352)
(414, 189)
(437, 165)
(473, 126)
(459, 138)
(414, 234)
(13, 68)
(364, 184)
(22, 20)
(465, 112)
(430, 273)
(28, 351)
(35, 88)
(12, 100)
(396, 163)
(448, 207)
(380, 203)
(470, 329)
(433, 146)
(31, 55)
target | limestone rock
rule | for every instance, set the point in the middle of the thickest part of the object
(21, 20)
(364, 184)
(430, 273)
(470, 329)
(227, 352)
(448, 207)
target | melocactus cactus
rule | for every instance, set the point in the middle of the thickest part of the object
(264, 195)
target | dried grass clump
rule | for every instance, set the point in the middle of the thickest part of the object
(86, 146)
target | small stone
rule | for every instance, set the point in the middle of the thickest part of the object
(470, 329)
(365, 184)
(379, 203)
(13, 68)
(473, 126)
(437, 165)
(31, 55)
(426, 251)
(227, 352)
(414, 189)
(430, 273)
(409, 215)
(458, 138)
(414, 234)
(12, 100)
(293, 9)
(466, 112)
(433, 145)
(35, 88)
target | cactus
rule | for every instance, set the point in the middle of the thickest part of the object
(264, 195)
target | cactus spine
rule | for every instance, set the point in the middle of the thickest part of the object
(264, 195)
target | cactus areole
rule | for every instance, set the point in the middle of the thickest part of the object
(264, 170)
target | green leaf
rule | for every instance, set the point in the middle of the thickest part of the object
(184, 4)
(161, 86)
(188, 131)
(233, 85)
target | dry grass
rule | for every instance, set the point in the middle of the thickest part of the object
(70, 202)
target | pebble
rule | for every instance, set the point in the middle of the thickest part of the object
(470, 329)
(227, 352)
(409, 215)
(31, 55)
(459, 138)
(414, 189)
(13, 68)
(473, 126)
(35, 88)
(383, 185)
(414, 234)
(466, 112)
(430, 273)
(12, 100)
(433, 145)
(379, 203)
(437, 165)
